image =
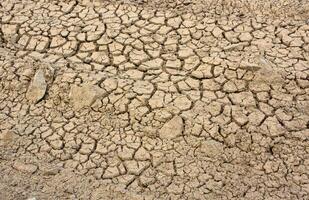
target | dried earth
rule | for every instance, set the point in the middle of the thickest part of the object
(141, 100)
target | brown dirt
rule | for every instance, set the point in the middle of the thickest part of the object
(138, 99)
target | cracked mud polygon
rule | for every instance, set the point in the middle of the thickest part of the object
(154, 99)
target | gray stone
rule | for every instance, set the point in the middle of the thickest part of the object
(25, 168)
(37, 87)
(85, 95)
(172, 128)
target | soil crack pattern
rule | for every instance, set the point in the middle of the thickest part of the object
(158, 99)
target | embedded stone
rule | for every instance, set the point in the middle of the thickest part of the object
(37, 87)
(85, 95)
(172, 129)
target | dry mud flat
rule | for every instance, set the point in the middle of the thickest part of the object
(130, 100)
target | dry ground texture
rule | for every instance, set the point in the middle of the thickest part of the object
(154, 99)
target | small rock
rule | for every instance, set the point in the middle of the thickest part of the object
(172, 128)
(37, 87)
(49, 171)
(25, 168)
(85, 95)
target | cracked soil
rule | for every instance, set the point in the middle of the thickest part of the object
(141, 99)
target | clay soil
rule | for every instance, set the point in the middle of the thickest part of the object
(162, 99)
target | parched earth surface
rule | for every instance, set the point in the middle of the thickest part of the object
(140, 100)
